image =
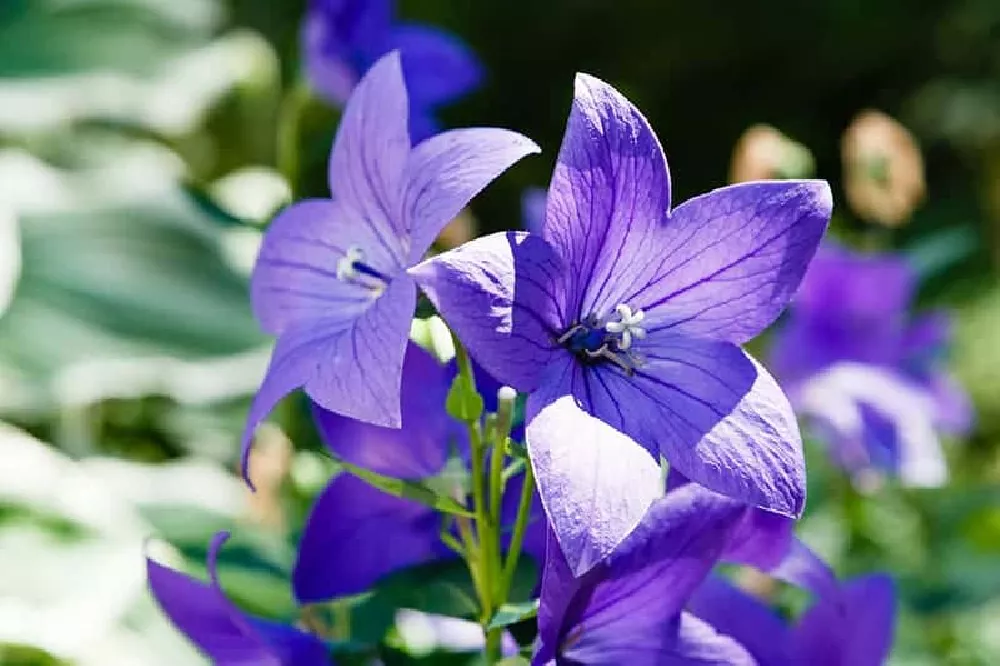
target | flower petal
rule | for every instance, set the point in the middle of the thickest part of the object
(351, 366)
(438, 66)
(745, 618)
(716, 415)
(447, 170)
(220, 630)
(295, 277)
(727, 262)
(610, 191)
(371, 150)
(622, 611)
(357, 534)
(803, 568)
(854, 628)
(595, 483)
(501, 296)
(419, 448)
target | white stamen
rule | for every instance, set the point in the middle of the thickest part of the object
(628, 327)
(345, 265)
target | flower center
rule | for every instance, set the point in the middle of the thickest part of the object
(593, 340)
(352, 268)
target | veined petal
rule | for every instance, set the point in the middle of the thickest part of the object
(414, 451)
(295, 277)
(438, 66)
(716, 415)
(370, 153)
(697, 643)
(627, 609)
(503, 296)
(447, 170)
(854, 628)
(349, 365)
(594, 481)
(356, 534)
(224, 633)
(727, 262)
(610, 191)
(745, 618)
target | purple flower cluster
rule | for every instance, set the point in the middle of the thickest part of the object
(869, 375)
(618, 315)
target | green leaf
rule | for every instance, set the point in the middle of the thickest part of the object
(509, 614)
(464, 402)
(414, 490)
(514, 661)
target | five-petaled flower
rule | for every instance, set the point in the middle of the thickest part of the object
(869, 375)
(330, 280)
(622, 319)
(343, 38)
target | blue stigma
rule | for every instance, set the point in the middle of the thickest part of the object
(592, 343)
(586, 339)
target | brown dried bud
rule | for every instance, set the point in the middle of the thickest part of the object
(763, 153)
(270, 463)
(883, 169)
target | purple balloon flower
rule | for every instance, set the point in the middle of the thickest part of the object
(629, 608)
(868, 373)
(355, 534)
(223, 632)
(623, 318)
(342, 39)
(330, 279)
(849, 624)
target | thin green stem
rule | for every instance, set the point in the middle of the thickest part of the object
(289, 120)
(517, 538)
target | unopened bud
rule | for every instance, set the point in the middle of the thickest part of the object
(763, 153)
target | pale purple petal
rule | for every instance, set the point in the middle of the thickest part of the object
(371, 150)
(223, 632)
(501, 295)
(626, 609)
(715, 414)
(356, 535)
(446, 171)
(803, 568)
(595, 482)
(346, 364)
(745, 618)
(727, 262)
(954, 413)
(609, 194)
(854, 629)
(420, 447)
(295, 277)
(438, 66)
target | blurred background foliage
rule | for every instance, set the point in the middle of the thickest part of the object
(137, 166)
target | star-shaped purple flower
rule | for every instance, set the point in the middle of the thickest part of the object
(355, 534)
(869, 375)
(224, 633)
(330, 280)
(343, 38)
(623, 319)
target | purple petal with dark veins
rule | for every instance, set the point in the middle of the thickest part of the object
(503, 297)
(595, 482)
(345, 364)
(356, 534)
(416, 450)
(726, 263)
(446, 171)
(371, 151)
(610, 192)
(224, 633)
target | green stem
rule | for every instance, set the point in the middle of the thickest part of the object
(517, 538)
(289, 121)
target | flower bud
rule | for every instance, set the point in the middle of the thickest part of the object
(763, 153)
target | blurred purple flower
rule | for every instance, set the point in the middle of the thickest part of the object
(342, 39)
(870, 375)
(628, 609)
(849, 624)
(355, 534)
(533, 209)
(622, 320)
(330, 280)
(223, 632)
